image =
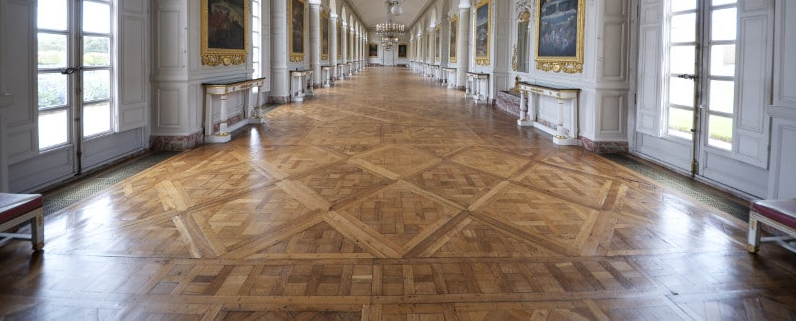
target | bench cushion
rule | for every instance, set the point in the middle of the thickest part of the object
(14, 205)
(783, 210)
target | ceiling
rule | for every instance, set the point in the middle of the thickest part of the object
(374, 11)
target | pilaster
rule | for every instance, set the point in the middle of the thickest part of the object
(315, 41)
(463, 44)
(279, 54)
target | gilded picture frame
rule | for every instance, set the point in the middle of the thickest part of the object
(296, 9)
(225, 32)
(339, 39)
(454, 33)
(437, 43)
(559, 35)
(373, 50)
(402, 51)
(325, 35)
(483, 28)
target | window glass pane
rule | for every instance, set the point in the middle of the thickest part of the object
(96, 17)
(722, 2)
(52, 90)
(96, 85)
(720, 132)
(680, 122)
(682, 5)
(52, 128)
(96, 119)
(681, 59)
(722, 60)
(722, 94)
(683, 28)
(52, 50)
(51, 14)
(722, 24)
(96, 51)
(681, 92)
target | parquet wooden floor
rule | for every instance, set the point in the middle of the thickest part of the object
(388, 197)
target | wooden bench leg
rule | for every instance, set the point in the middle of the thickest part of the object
(37, 230)
(754, 233)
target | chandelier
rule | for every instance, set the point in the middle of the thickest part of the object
(390, 31)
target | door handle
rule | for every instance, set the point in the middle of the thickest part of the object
(686, 76)
(68, 71)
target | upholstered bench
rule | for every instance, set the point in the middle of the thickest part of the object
(18, 208)
(778, 214)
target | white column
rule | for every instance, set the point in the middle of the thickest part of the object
(315, 41)
(333, 44)
(463, 42)
(279, 54)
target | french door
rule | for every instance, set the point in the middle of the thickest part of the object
(699, 82)
(75, 73)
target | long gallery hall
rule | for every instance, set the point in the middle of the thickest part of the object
(389, 197)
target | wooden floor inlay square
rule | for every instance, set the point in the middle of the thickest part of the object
(400, 161)
(401, 215)
(494, 162)
(458, 183)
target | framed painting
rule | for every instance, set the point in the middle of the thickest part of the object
(296, 9)
(325, 35)
(454, 32)
(560, 35)
(225, 32)
(437, 47)
(482, 30)
(339, 39)
(373, 50)
(402, 51)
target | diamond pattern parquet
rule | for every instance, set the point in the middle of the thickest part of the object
(379, 199)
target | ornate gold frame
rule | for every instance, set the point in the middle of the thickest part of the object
(483, 60)
(296, 56)
(325, 31)
(225, 56)
(406, 49)
(370, 49)
(437, 43)
(567, 64)
(339, 39)
(453, 39)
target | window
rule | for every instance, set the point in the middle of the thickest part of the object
(700, 79)
(75, 70)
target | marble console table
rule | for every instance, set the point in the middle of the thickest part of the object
(300, 84)
(327, 75)
(222, 90)
(449, 77)
(477, 86)
(529, 109)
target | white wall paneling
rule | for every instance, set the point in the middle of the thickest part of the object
(755, 50)
(133, 105)
(782, 182)
(784, 53)
(648, 86)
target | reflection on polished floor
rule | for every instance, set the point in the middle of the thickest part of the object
(388, 197)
